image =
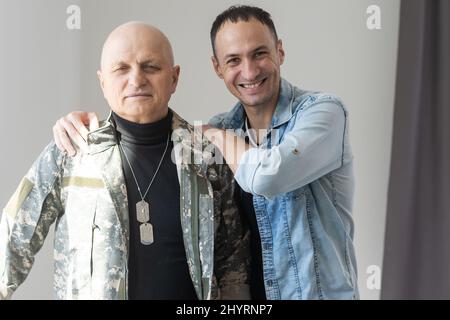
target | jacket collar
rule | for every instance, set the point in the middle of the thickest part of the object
(190, 138)
(192, 148)
(103, 138)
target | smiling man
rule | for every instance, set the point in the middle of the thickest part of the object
(295, 171)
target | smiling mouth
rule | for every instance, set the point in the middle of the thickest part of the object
(252, 85)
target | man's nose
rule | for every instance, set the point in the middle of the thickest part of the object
(136, 78)
(250, 70)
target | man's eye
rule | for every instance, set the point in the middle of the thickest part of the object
(151, 68)
(233, 62)
(122, 68)
(260, 54)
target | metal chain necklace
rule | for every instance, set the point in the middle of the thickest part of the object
(143, 207)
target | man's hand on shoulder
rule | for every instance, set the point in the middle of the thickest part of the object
(74, 127)
(230, 144)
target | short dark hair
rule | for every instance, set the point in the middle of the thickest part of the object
(241, 13)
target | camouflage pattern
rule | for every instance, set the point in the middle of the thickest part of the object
(86, 197)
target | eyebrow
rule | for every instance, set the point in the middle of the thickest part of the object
(263, 47)
(148, 61)
(114, 65)
(232, 55)
(122, 63)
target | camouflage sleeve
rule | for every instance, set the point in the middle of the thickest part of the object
(27, 217)
(232, 240)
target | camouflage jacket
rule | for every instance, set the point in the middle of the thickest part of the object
(87, 198)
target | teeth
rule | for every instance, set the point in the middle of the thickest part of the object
(252, 85)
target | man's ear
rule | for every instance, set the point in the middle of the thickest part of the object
(102, 82)
(175, 77)
(280, 50)
(216, 66)
(100, 79)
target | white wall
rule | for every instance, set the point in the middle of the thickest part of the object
(51, 70)
(39, 82)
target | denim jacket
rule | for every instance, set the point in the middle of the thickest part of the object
(302, 183)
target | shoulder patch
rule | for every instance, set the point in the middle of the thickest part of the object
(19, 196)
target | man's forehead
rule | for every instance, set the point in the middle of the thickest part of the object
(131, 54)
(236, 37)
(136, 42)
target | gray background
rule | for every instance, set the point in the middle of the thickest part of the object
(48, 70)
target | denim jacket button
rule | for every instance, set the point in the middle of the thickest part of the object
(269, 283)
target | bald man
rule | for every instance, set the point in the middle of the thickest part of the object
(130, 222)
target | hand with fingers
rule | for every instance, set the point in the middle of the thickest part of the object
(74, 128)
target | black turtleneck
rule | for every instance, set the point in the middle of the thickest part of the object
(159, 270)
(245, 200)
